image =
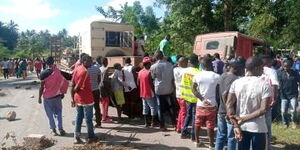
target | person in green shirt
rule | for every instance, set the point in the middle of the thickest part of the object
(164, 46)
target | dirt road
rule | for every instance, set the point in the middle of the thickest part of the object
(31, 119)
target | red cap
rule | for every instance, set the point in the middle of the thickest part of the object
(146, 60)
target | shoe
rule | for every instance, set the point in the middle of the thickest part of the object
(198, 144)
(211, 147)
(107, 121)
(185, 135)
(97, 126)
(294, 125)
(286, 126)
(92, 140)
(77, 140)
(163, 129)
(54, 133)
(62, 132)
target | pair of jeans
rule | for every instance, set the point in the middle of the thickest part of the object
(86, 112)
(255, 140)
(285, 104)
(225, 134)
(165, 101)
(190, 116)
(268, 117)
(53, 108)
(149, 105)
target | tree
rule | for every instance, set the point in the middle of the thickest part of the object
(9, 34)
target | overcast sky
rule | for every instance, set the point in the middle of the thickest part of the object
(57, 14)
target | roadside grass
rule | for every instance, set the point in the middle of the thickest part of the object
(289, 138)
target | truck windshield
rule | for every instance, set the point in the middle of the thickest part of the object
(118, 39)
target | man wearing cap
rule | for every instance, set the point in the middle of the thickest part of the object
(146, 92)
(53, 87)
(225, 129)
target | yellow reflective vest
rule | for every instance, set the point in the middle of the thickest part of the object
(187, 84)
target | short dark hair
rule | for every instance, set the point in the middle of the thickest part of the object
(85, 58)
(288, 61)
(217, 55)
(159, 55)
(265, 57)
(116, 65)
(127, 60)
(253, 62)
(206, 62)
(82, 54)
(50, 60)
(99, 59)
(194, 59)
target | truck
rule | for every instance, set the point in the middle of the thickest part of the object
(108, 39)
(229, 45)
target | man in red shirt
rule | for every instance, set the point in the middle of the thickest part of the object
(82, 98)
(146, 92)
(38, 66)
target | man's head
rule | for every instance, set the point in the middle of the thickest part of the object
(194, 61)
(128, 60)
(147, 62)
(267, 60)
(254, 65)
(50, 61)
(206, 63)
(183, 62)
(104, 62)
(287, 64)
(216, 56)
(87, 61)
(168, 37)
(81, 56)
(159, 55)
(134, 38)
(117, 66)
(236, 66)
(99, 60)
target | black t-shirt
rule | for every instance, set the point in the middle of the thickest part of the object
(288, 84)
(225, 82)
(45, 73)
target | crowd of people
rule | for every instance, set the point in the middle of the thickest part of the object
(18, 67)
(235, 96)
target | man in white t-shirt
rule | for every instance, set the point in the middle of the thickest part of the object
(270, 76)
(182, 64)
(204, 88)
(130, 89)
(251, 96)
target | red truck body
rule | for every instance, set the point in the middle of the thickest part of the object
(228, 44)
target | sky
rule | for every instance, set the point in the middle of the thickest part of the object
(55, 15)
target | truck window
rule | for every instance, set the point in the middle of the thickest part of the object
(118, 39)
(212, 45)
(112, 39)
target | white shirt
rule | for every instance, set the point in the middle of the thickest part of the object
(6, 64)
(129, 79)
(207, 82)
(178, 77)
(271, 76)
(250, 91)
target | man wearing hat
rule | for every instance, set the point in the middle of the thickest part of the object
(146, 92)
(225, 129)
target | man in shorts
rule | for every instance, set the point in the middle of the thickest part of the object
(204, 88)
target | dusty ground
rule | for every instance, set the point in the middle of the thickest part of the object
(31, 119)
